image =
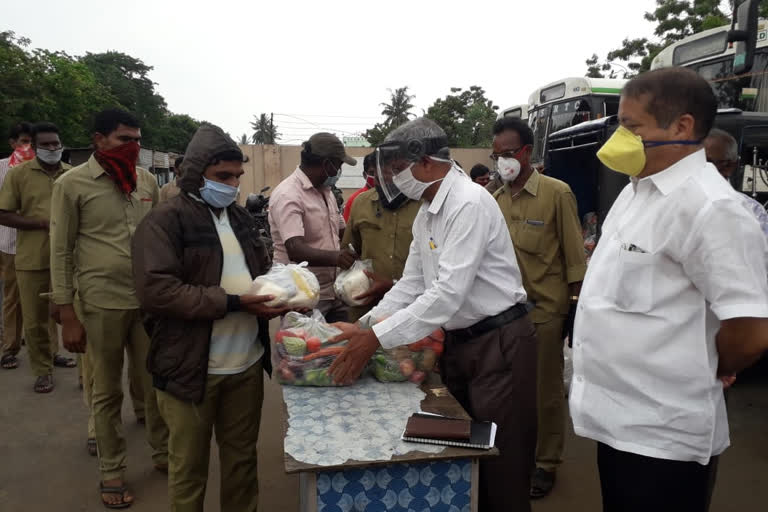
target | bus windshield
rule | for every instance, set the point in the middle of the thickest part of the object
(557, 116)
(728, 88)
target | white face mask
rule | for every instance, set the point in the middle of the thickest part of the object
(509, 169)
(50, 157)
(410, 186)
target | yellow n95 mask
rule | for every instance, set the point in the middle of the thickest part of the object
(624, 152)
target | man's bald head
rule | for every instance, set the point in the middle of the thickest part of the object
(722, 151)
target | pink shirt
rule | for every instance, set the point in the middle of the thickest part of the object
(297, 208)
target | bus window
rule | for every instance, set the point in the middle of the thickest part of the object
(516, 112)
(552, 93)
(727, 87)
(569, 113)
(610, 106)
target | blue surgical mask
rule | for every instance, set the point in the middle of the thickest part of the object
(218, 195)
(331, 181)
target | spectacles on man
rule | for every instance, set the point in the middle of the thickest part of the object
(513, 153)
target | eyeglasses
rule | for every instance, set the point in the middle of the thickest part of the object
(513, 153)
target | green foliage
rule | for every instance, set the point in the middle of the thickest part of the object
(396, 112)
(264, 130)
(675, 20)
(42, 85)
(467, 117)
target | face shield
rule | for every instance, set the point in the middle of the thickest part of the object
(394, 157)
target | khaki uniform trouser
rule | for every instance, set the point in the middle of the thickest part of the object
(231, 407)
(110, 333)
(551, 394)
(40, 330)
(135, 388)
(12, 320)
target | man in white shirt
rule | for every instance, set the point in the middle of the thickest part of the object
(462, 275)
(675, 296)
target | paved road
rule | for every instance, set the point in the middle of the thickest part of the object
(44, 464)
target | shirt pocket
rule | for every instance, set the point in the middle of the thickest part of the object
(632, 290)
(528, 237)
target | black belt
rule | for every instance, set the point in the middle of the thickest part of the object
(492, 322)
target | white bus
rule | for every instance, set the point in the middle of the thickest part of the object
(568, 102)
(520, 111)
(709, 54)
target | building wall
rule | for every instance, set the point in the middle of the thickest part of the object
(268, 165)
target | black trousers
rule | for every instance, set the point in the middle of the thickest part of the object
(493, 377)
(635, 483)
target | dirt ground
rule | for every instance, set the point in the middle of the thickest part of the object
(44, 464)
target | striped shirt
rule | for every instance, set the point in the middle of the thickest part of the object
(7, 235)
(235, 346)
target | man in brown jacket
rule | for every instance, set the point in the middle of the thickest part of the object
(194, 258)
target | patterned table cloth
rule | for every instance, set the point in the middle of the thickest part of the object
(362, 422)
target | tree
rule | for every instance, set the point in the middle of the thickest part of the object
(40, 85)
(264, 130)
(397, 112)
(243, 139)
(175, 131)
(127, 79)
(675, 20)
(467, 117)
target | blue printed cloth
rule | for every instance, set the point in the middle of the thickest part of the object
(442, 486)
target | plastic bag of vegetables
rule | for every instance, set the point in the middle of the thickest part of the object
(292, 285)
(408, 362)
(302, 353)
(353, 282)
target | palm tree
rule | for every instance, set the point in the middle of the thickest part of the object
(398, 110)
(264, 130)
(243, 139)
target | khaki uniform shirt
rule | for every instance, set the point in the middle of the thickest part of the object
(380, 235)
(544, 225)
(27, 190)
(92, 223)
(169, 190)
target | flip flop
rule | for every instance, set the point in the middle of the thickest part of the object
(63, 362)
(44, 384)
(91, 444)
(9, 362)
(115, 490)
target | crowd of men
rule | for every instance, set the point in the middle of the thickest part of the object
(674, 302)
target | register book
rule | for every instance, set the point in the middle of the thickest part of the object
(435, 429)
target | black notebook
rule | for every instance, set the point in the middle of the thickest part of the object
(481, 435)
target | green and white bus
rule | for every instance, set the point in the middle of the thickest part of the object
(568, 102)
(711, 56)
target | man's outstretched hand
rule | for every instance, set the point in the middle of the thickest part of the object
(361, 345)
(380, 285)
(255, 305)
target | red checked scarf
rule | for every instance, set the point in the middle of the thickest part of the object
(120, 165)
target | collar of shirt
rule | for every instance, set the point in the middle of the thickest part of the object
(95, 167)
(675, 175)
(306, 184)
(445, 188)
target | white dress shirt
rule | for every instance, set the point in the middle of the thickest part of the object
(7, 235)
(677, 255)
(461, 266)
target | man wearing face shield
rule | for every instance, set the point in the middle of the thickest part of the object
(25, 205)
(461, 275)
(675, 296)
(544, 225)
(306, 223)
(95, 209)
(380, 230)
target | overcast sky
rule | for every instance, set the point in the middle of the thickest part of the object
(330, 63)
